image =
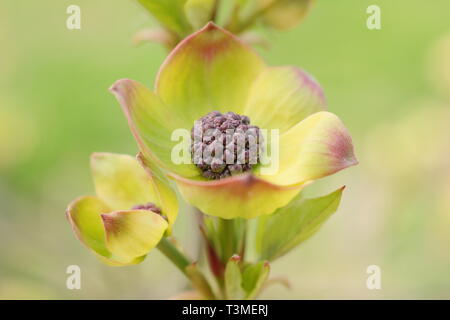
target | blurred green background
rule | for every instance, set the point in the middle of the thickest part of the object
(391, 87)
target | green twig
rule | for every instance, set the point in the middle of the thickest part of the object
(167, 247)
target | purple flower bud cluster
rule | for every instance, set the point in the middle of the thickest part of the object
(224, 145)
(147, 206)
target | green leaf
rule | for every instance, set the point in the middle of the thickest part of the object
(199, 12)
(293, 224)
(233, 279)
(285, 14)
(169, 13)
(253, 278)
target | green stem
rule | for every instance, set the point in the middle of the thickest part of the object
(174, 254)
(228, 239)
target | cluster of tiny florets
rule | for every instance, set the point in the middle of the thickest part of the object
(238, 140)
(147, 206)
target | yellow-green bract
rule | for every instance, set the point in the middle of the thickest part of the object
(108, 224)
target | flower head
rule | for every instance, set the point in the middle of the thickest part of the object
(212, 70)
(130, 214)
(221, 137)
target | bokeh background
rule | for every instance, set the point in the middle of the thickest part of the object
(391, 87)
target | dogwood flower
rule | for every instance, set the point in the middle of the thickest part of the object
(212, 70)
(130, 214)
